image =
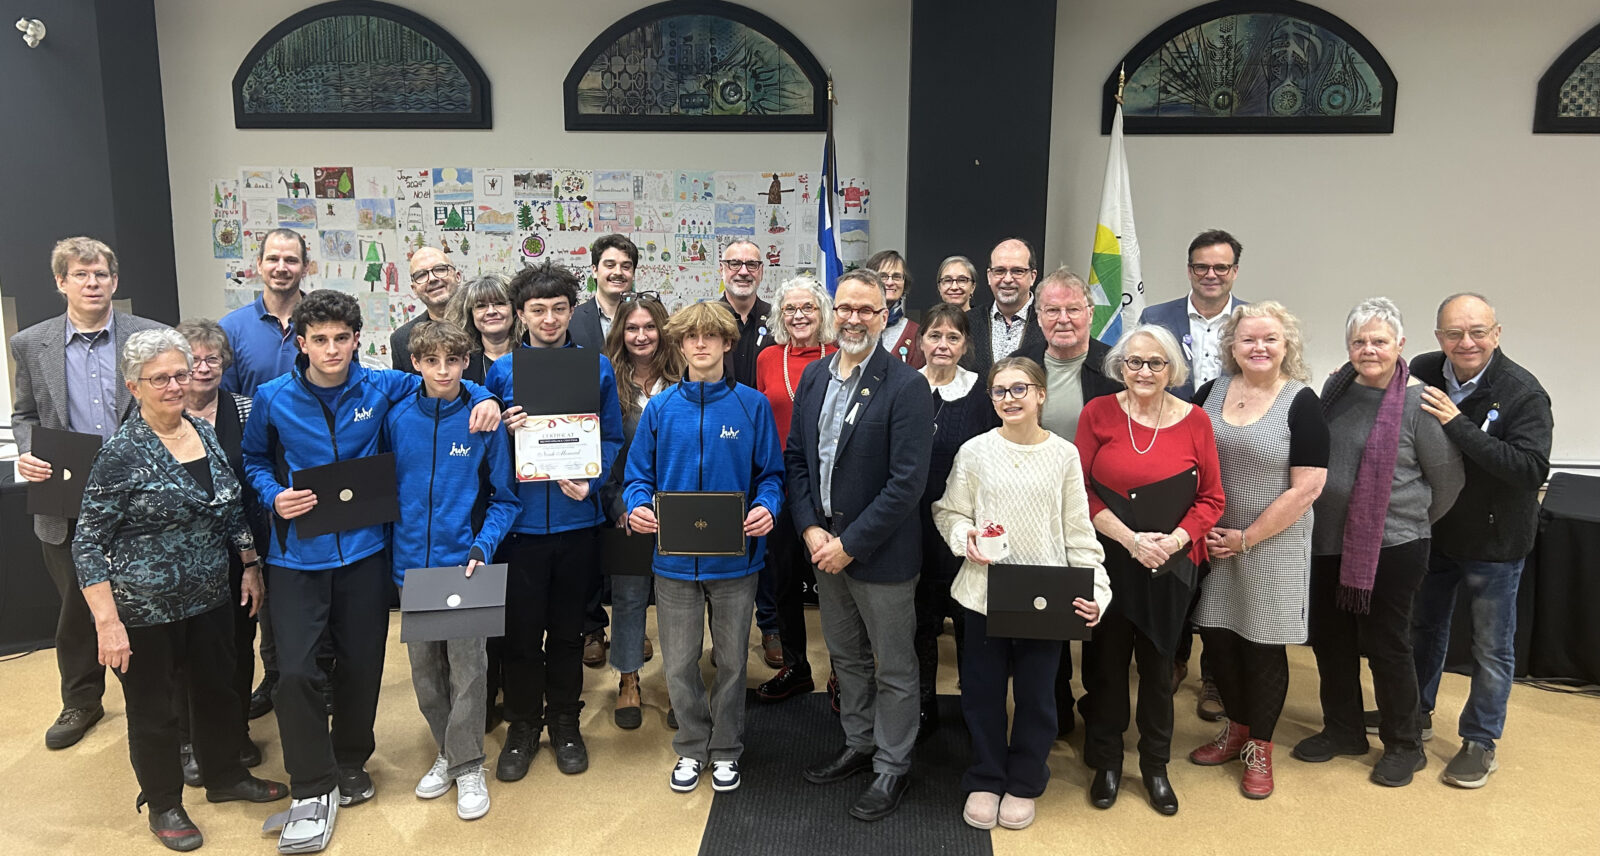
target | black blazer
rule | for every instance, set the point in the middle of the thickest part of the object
(880, 470)
(978, 357)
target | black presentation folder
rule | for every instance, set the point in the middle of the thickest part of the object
(1156, 507)
(443, 603)
(556, 381)
(70, 455)
(1035, 601)
(700, 523)
(350, 494)
(624, 555)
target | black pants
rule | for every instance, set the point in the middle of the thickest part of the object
(352, 605)
(1340, 638)
(790, 565)
(201, 648)
(1018, 766)
(546, 589)
(244, 656)
(1252, 678)
(83, 679)
(1105, 709)
(933, 605)
(595, 619)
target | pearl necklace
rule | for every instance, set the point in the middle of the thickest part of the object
(1159, 413)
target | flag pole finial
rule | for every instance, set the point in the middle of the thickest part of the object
(1122, 79)
(831, 99)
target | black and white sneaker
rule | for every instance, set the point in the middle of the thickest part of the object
(686, 775)
(724, 775)
(355, 787)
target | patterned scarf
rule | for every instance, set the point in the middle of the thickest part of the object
(1369, 496)
(897, 310)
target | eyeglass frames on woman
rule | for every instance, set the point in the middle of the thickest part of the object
(1016, 390)
(1155, 364)
(162, 381)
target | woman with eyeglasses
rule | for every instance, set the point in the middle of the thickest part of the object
(482, 307)
(1154, 493)
(958, 278)
(645, 366)
(899, 336)
(1029, 481)
(805, 333)
(161, 512)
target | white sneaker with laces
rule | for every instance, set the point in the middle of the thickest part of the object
(434, 782)
(472, 794)
(685, 775)
(724, 775)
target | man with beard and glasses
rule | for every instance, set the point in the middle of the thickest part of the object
(742, 271)
(433, 281)
(1008, 323)
(857, 458)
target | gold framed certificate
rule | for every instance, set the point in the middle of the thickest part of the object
(550, 448)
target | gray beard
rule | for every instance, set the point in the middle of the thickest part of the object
(856, 349)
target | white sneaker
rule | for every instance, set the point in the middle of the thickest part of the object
(686, 775)
(472, 794)
(724, 775)
(434, 783)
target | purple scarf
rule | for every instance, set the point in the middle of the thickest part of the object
(1369, 496)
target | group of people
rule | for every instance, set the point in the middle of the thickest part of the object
(1189, 466)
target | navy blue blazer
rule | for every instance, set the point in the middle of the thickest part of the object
(879, 472)
(584, 328)
(1174, 315)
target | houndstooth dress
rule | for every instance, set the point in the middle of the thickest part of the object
(1261, 595)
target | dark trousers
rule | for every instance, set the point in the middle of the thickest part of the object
(934, 603)
(595, 619)
(200, 648)
(1340, 638)
(1019, 766)
(350, 604)
(1116, 643)
(1253, 679)
(542, 656)
(83, 679)
(244, 656)
(789, 564)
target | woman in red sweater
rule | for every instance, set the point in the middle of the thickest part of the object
(1150, 459)
(804, 335)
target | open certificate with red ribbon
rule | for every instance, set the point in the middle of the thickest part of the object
(559, 447)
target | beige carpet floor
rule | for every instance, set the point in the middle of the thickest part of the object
(1544, 799)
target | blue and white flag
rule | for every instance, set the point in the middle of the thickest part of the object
(830, 266)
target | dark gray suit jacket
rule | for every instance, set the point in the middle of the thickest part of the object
(40, 394)
(585, 327)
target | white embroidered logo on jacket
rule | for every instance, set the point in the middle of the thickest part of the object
(730, 433)
(362, 415)
(459, 451)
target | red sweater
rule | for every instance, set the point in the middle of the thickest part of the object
(769, 380)
(1109, 459)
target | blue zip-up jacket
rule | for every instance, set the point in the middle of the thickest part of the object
(707, 436)
(289, 429)
(458, 493)
(545, 509)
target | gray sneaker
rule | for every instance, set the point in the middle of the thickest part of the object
(1470, 768)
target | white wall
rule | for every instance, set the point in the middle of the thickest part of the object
(526, 50)
(1462, 196)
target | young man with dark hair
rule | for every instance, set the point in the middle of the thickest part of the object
(552, 550)
(328, 408)
(458, 498)
(707, 433)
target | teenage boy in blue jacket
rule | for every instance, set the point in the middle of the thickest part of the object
(328, 408)
(458, 497)
(552, 552)
(706, 433)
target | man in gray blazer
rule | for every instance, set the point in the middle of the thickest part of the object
(69, 377)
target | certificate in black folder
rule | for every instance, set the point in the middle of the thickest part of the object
(70, 455)
(444, 603)
(556, 381)
(350, 495)
(1035, 601)
(624, 555)
(700, 523)
(1156, 507)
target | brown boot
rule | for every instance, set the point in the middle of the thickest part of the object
(628, 714)
(649, 649)
(1210, 706)
(1223, 749)
(594, 649)
(1257, 781)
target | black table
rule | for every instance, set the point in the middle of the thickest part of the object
(29, 604)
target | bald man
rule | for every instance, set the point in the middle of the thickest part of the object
(1009, 323)
(433, 280)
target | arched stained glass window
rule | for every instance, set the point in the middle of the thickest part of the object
(1568, 100)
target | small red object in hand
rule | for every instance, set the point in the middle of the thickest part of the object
(993, 530)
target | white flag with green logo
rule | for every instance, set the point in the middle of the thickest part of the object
(1114, 275)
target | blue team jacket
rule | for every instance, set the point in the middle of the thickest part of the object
(545, 509)
(289, 429)
(707, 436)
(458, 494)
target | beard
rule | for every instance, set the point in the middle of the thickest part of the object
(856, 347)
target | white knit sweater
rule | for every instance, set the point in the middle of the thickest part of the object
(1036, 492)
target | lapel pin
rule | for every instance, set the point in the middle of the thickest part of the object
(866, 391)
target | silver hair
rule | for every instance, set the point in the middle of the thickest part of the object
(827, 330)
(972, 269)
(1178, 368)
(1374, 309)
(1064, 276)
(1438, 316)
(146, 345)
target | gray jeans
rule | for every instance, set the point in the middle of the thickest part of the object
(870, 630)
(714, 730)
(449, 678)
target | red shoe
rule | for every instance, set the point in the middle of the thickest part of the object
(1225, 748)
(1257, 757)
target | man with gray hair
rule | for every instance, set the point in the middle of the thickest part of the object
(742, 272)
(69, 379)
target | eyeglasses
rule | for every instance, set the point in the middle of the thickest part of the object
(1201, 270)
(1054, 312)
(82, 277)
(805, 311)
(1478, 334)
(641, 296)
(751, 265)
(440, 271)
(1014, 273)
(892, 277)
(1016, 390)
(213, 362)
(962, 281)
(162, 381)
(862, 312)
(1154, 364)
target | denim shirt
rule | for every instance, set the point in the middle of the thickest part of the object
(92, 379)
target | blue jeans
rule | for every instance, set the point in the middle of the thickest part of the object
(629, 597)
(1492, 587)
